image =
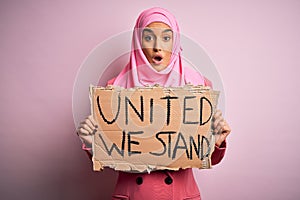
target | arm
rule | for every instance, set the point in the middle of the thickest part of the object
(85, 131)
(218, 153)
(221, 130)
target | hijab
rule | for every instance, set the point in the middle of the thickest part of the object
(139, 72)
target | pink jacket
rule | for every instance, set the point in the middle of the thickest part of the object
(162, 185)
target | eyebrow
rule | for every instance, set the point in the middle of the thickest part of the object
(167, 30)
(151, 31)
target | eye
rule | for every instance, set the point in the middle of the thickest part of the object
(148, 38)
(166, 38)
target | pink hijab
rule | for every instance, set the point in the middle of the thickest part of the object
(139, 72)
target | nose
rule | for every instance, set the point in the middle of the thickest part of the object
(157, 46)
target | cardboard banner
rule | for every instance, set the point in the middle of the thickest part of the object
(153, 128)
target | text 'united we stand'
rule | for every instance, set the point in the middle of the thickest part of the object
(156, 126)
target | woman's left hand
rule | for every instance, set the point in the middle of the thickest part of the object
(220, 128)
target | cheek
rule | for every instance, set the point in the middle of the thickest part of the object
(168, 47)
(168, 51)
(147, 44)
(168, 57)
(146, 51)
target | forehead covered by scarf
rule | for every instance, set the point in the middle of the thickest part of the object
(156, 15)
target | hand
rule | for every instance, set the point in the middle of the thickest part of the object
(220, 128)
(86, 129)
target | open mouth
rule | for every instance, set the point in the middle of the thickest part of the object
(157, 59)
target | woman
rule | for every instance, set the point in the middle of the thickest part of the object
(156, 59)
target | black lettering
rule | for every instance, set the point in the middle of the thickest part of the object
(197, 148)
(163, 143)
(102, 115)
(133, 142)
(201, 110)
(114, 146)
(180, 137)
(151, 110)
(140, 115)
(168, 107)
(187, 108)
(208, 148)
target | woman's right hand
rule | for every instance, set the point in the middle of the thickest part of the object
(86, 129)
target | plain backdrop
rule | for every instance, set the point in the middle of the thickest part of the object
(255, 45)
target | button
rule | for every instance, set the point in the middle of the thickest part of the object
(168, 180)
(139, 180)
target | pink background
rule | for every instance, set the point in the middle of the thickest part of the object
(254, 44)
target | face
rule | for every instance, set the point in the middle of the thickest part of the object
(157, 43)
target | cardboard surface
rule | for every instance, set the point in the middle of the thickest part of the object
(153, 128)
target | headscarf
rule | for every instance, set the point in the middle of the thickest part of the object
(139, 72)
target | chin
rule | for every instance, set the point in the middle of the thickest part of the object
(158, 67)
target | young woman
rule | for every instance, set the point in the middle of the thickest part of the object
(155, 58)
